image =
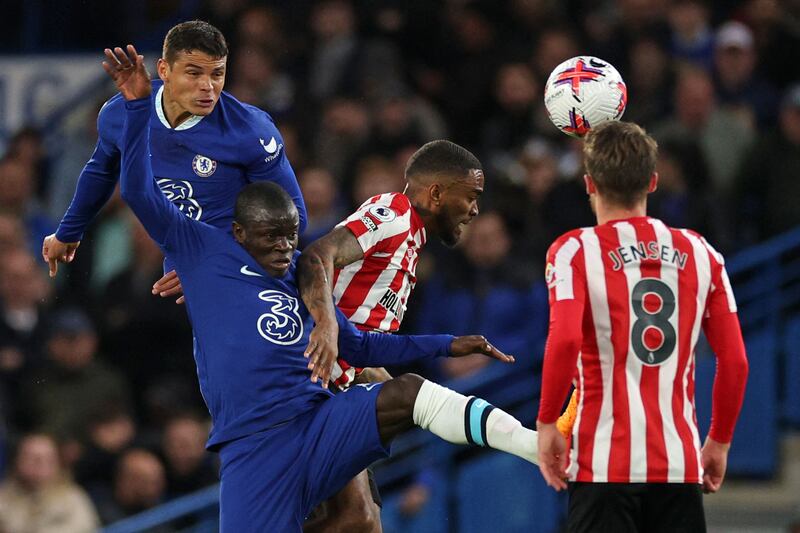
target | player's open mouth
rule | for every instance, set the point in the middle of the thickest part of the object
(206, 102)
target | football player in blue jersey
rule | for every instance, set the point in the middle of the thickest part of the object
(205, 145)
(285, 442)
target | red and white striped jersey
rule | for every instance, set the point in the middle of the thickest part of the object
(646, 289)
(373, 292)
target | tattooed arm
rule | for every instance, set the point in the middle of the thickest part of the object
(337, 249)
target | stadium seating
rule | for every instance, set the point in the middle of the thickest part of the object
(499, 492)
(791, 371)
(432, 518)
(756, 437)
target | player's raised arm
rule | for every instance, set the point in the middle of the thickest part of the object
(95, 186)
(315, 267)
(137, 185)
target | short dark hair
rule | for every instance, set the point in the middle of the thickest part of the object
(621, 158)
(257, 198)
(194, 35)
(441, 157)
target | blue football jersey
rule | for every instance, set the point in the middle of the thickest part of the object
(250, 328)
(200, 165)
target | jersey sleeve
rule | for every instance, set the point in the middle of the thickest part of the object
(566, 284)
(370, 349)
(98, 178)
(725, 338)
(380, 223)
(269, 162)
(181, 239)
(720, 297)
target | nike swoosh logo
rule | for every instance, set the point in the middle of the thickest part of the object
(597, 64)
(247, 272)
(272, 146)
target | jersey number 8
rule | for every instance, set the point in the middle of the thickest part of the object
(653, 337)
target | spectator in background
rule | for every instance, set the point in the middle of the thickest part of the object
(111, 247)
(481, 275)
(189, 467)
(343, 133)
(776, 36)
(471, 58)
(739, 87)
(651, 79)
(261, 27)
(37, 497)
(375, 175)
(68, 163)
(723, 137)
(548, 199)
(74, 382)
(518, 103)
(17, 195)
(402, 120)
(341, 62)
(555, 46)
(23, 325)
(139, 484)
(130, 317)
(257, 80)
(683, 198)
(768, 184)
(323, 207)
(27, 145)
(692, 40)
(109, 431)
(13, 233)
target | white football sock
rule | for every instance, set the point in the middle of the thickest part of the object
(469, 420)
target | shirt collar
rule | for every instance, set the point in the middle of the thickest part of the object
(185, 125)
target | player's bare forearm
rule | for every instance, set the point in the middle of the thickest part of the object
(314, 275)
(337, 249)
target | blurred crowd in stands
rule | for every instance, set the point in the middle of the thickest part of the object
(99, 407)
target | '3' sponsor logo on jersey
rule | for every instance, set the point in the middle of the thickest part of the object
(180, 193)
(281, 324)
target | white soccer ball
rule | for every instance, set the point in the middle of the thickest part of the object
(582, 92)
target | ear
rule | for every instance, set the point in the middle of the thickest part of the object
(162, 67)
(653, 183)
(435, 192)
(239, 232)
(591, 188)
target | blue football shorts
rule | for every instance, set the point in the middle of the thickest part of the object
(272, 479)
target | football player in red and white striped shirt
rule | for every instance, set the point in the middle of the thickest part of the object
(368, 265)
(642, 291)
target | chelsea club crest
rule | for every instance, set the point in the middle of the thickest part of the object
(203, 166)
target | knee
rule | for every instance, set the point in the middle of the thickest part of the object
(404, 390)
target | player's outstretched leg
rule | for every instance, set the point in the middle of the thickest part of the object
(411, 400)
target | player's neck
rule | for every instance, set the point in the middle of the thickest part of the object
(174, 113)
(606, 212)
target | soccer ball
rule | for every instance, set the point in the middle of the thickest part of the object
(583, 92)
